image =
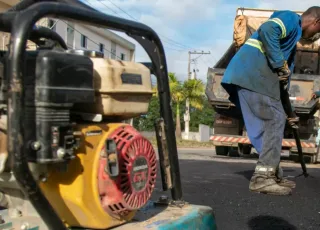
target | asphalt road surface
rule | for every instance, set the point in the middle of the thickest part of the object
(222, 183)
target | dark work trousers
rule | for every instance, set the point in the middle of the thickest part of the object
(265, 120)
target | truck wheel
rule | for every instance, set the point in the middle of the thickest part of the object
(222, 151)
(233, 152)
(244, 149)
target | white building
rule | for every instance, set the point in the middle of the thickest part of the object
(80, 36)
(92, 38)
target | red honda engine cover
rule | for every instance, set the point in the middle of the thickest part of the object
(133, 186)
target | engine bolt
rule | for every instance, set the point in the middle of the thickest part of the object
(61, 153)
(43, 178)
(35, 145)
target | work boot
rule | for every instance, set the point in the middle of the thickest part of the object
(283, 181)
(264, 180)
(286, 183)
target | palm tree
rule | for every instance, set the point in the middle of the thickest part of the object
(192, 89)
(177, 96)
(194, 92)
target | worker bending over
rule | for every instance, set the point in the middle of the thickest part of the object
(252, 80)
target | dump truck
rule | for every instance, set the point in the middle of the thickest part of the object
(230, 137)
(68, 160)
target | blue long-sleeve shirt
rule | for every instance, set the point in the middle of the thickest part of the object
(253, 66)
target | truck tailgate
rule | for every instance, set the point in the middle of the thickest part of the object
(301, 88)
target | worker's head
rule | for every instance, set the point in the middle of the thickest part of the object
(311, 22)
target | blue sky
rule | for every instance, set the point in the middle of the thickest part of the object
(195, 25)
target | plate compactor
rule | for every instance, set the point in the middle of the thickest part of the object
(68, 160)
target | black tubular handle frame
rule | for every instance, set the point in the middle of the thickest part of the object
(21, 27)
(37, 33)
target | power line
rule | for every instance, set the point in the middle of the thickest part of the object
(186, 47)
(189, 59)
(119, 9)
(129, 16)
(138, 20)
(213, 58)
(104, 5)
(174, 49)
(172, 41)
(206, 62)
(182, 47)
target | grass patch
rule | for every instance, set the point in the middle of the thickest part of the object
(187, 143)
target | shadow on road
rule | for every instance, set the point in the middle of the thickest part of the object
(247, 174)
(269, 222)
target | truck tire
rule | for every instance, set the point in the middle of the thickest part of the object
(222, 150)
(233, 152)
(244, 149)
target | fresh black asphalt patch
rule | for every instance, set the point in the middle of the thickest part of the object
(224, 187)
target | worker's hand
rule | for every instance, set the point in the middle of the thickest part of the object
(284, 73)
(293, 122)
(315, 95)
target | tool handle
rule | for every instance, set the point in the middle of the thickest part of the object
(285, 99)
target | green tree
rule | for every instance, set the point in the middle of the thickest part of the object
(177, 97)
(146, 122)
(204, 116)
(192, 89)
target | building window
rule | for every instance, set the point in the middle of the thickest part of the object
(101, 48)
(83, 41)
(113, 50)
(70, 36)
(123, 56)
(52, 24)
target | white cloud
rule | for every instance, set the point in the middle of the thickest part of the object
(203, 25)
(296, 5)
(167, 10)
(186, 10)
(169, 18)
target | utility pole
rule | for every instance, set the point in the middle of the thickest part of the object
(189, 63)
(187, 112)
(189, 60)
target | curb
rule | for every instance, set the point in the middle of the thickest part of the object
(190, 148)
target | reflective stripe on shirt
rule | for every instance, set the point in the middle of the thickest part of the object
(255, 43)
(280, 23)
